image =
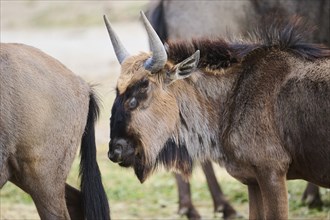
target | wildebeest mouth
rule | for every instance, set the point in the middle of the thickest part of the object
(127, 162)
(121, 151)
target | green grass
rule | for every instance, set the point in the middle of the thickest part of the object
(157, 197)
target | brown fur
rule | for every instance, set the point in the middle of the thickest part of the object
(170, 22)
(240, 115)
(44, 108)
(189, 19)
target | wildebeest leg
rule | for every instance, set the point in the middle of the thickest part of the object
(219, 200)
(312, 196)
(185, 205)
(4, 168)
(255, 202)
(73, 202)
(4, 176)
(274, 194)
(44, 179)
(50, 203)
(4, 172)
(49, 200)
(55, 209)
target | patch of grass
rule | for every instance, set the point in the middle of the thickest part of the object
(298, 208)
(157, 198)
(12, 194)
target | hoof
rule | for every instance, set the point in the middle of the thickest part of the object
(234, 216)
(190, 212)
(229, 212)
(313, 201)
(219, 208)
(183, 210)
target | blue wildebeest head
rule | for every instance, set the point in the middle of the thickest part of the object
(146, 118)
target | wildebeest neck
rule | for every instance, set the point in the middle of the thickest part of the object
(201, 99)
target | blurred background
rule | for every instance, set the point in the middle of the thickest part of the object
(74, 33)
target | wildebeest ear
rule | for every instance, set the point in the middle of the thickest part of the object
(186, 67)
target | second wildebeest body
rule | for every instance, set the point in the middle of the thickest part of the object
(46, 113)
(191, 19)
(260, 107)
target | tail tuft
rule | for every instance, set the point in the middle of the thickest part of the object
(95, 200)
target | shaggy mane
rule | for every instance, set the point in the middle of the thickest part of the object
(214, 54)
(280, 34)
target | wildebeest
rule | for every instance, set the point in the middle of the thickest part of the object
(46, 112)
(178, 20)
(260, 107)
(187, 19)
(158, 14)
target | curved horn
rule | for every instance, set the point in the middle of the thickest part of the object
(159, 56)
(120, 50)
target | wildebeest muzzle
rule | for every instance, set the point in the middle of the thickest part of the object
(121, 151)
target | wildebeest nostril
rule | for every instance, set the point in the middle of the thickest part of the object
(116, 150)
(118, 146)
(120, 150)
(115, 155)
(118, 153)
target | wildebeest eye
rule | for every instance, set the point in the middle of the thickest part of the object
(132, 103)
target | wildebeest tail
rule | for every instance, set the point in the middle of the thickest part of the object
(95, 200)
